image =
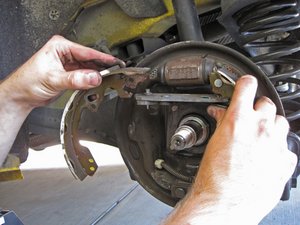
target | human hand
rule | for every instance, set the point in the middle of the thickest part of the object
(60, 64)
(245, 166)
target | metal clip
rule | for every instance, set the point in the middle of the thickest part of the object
(221, 83)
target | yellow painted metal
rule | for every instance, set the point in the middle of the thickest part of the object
(107, 22)
(10, 170)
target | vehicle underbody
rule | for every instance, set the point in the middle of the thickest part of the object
(196, 51)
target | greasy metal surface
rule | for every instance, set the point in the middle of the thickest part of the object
(144, 133)
(192, 131)
(94, 24)
(78, 157)
(160, 98)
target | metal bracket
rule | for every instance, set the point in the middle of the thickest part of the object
(221, 83)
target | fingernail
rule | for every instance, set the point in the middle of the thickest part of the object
(249, 78)
(94, 78)
(268, 100)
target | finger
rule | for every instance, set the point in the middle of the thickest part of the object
(282, 126)
(85, 54)
(243, 96)
(289, 164)
(82, 53)
(266, 107)
(216, 112)
(77, 79)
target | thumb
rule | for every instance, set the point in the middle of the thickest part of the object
(78, 79)
(216, 112)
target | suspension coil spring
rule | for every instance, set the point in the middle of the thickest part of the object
(267, 30)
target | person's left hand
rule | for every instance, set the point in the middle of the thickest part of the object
(59, 65)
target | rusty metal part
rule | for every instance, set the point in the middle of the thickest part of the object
(187, 71)
(160, 98)
(221, 83)
(128, 71)
(78, 157)
(11, 169)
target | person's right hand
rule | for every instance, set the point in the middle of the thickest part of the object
(245, 166)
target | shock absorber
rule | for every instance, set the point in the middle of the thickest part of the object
(268, 31)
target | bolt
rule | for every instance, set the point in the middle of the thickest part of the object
(174, 108)
(180, 192)
(131, 129)
(148, 92)
(177, 143)
(218, 83)
(54, 14)
(282, 87)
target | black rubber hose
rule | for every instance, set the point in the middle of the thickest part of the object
(187, 19)
(176, 174)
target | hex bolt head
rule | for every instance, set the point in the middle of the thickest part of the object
(54, 14)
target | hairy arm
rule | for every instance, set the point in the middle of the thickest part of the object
(57, 66)
(13, 112)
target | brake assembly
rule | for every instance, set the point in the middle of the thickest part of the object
(162, 125)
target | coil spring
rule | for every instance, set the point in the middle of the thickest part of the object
(268, 33)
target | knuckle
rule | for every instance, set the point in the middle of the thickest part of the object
(56, 37)
(282, 121)
(72, 80)
(51, 79)
(76, 80)
(267, 100)
(247, 80)
(263, 127)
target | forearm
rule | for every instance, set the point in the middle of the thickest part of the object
(13, 111)
(206, 209)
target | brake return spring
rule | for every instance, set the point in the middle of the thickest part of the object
(268, 32)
